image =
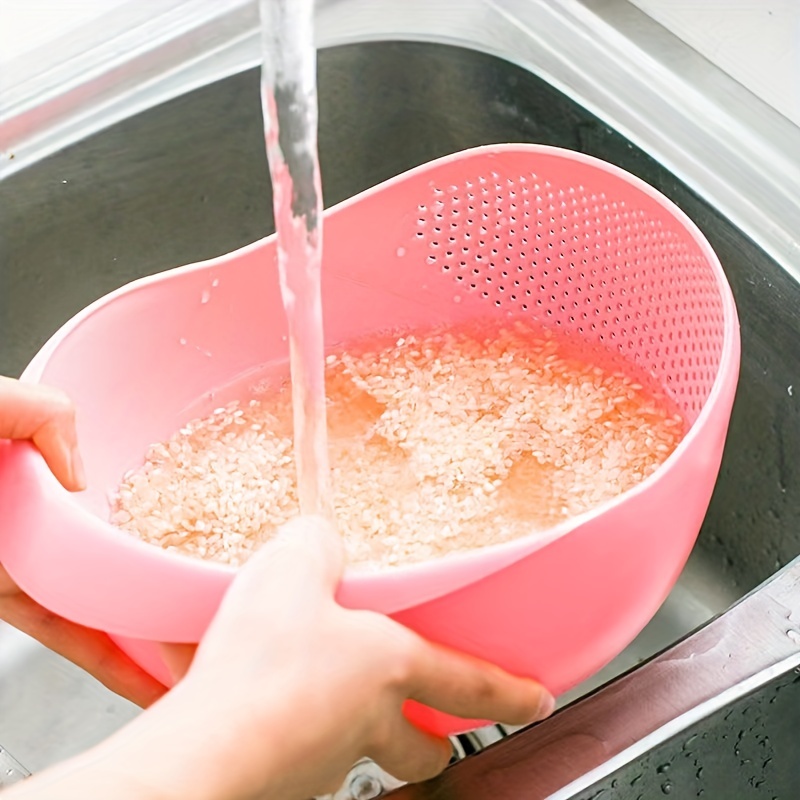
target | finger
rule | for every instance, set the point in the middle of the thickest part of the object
(467, 687)
(47, 417)
(91, 650)
(410, 754)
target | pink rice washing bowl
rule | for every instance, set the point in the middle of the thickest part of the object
(519, 231)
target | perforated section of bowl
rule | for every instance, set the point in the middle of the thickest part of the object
(611, 266)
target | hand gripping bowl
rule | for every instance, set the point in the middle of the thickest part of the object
(521, 231)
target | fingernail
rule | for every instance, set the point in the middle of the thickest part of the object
(301, 526)
(547, 705)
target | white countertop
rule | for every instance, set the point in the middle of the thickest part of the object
(755, 41)
(26, 25)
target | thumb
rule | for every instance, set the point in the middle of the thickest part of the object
(306, 551)
(46, 416)
(297, 569)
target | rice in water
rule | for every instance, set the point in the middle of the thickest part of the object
(439, 442)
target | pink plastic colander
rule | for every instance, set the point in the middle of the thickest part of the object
(516, 231)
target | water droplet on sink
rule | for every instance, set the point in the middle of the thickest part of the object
(365, 787)
(401, 251)
(205, 297)
(793, 635)
(457, 298)
(666, 787)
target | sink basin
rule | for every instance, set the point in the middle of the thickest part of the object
(187, 180)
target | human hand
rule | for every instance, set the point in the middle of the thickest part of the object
(46, 417)
(288, 689)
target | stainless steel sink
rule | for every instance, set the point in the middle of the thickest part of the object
(187, 180)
